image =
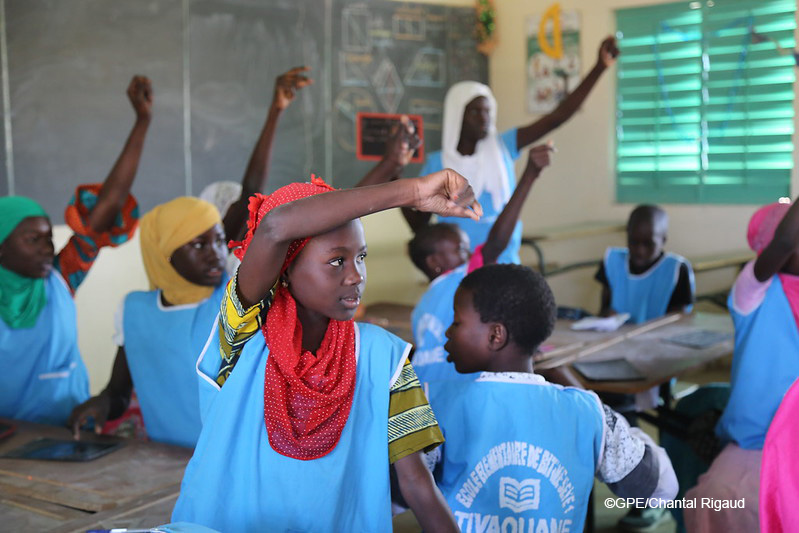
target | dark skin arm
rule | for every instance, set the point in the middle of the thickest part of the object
(257, 172)
(605, 309)
(399, 151)
(445, 192)
(110, 403)
(503, 227)
(529, 134)
(781, 253)
(422, 495)
(116, 186)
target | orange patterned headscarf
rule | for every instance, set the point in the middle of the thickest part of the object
(307, 397)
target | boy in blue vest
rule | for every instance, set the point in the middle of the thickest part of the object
(521, 453)
(642, 279)
(441, 252)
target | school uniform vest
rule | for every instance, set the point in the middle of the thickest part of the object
(519, 452)
(43, 376)
(162, 345)
(236, 482)
(765, 364)
(429, 321)
(645, 296)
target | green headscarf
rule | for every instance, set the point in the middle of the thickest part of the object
(21, 298)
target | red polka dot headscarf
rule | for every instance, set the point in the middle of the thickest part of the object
(307, 397)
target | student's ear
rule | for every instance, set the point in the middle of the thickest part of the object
(431, 262)
(498, 337)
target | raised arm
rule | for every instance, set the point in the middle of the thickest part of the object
(399, 151)
(532, 132)
(503, 227)
(446, 193)
(110, 403)
(117, 185)
(257, 172)
(782, 247)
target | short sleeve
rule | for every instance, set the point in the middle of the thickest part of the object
(119, 321)
(747, 292)
(683, 295)
(237, 325)
(509, 140)
(412, 426)
(79, 254)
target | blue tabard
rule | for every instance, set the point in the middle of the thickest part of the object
(429, 320)
(645, 296)
(478, 230)
(43, 375)
(518, 453)
(162, 345)
(236, 482)
(764, 365)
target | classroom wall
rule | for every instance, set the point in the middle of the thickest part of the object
(579, 187)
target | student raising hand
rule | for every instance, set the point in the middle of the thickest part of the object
(140, 94)
(447, 193)
(608, 52)
(286, 86)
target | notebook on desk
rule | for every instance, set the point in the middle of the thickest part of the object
(611, 370)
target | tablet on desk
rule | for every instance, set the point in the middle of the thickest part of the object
(611, 370)
(46, 449)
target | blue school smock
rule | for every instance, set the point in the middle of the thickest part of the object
(478, 230)
(645, 296)
(764, 365)
(236, 482)
(519, 452)
(429, 321)
(43, 375)
(162, 345)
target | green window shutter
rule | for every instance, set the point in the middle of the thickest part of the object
(703, 113)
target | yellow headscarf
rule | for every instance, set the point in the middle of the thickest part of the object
(166, 228)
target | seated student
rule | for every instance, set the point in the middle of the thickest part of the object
(160, 332)
(642, 279)
(305, 409)
(764, 304)
(44, 376)
(521, 453)
(471, 145)
(441, 251)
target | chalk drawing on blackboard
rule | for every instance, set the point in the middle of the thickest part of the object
(408, 26)
(427, 69)
(388, 85)
(347, 105)
(355, 29)
(353, 69)
(431, 110)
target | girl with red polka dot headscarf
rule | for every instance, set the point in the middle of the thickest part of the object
(310, 369)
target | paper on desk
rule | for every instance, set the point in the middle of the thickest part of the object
(597, 323)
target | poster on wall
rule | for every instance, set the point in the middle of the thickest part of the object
(553, 58)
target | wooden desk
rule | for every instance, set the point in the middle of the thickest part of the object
(573, 231)
(643, 346)
(133, 487)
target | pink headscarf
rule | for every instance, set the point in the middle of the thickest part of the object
(763, 224)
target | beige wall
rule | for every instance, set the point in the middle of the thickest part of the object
(579, 187)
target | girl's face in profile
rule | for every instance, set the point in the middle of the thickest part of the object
(28, 250)
(328, 277)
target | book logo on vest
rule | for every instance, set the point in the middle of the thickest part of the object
(519, 496)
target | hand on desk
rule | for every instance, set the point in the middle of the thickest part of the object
(97, 407)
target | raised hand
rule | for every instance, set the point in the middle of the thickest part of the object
(402, 143)
(140, 94)
(446, 193)
(97, 407)
(608, 52)
(286, 86)
(539, 158)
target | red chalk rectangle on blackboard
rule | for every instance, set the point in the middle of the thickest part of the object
(372, 131)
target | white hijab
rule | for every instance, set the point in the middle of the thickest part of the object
(485, 169)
